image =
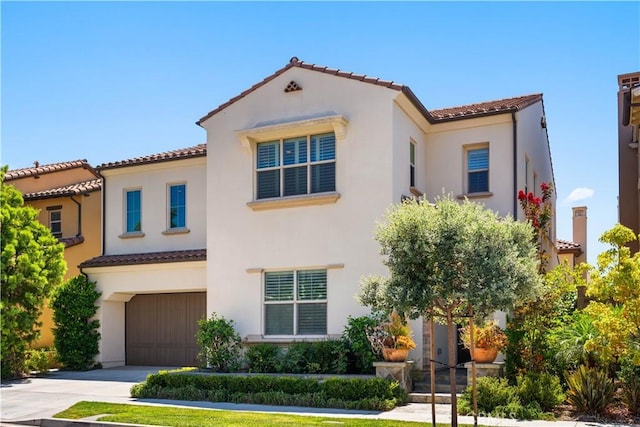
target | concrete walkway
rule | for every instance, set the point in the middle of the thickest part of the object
(42, 397)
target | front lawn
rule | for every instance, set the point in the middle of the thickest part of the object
(179, 417)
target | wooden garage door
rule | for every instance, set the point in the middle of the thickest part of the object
(160, 329)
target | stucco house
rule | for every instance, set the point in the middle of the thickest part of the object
(152, 269)
(281, 205)
(68, 197)
(301, 165)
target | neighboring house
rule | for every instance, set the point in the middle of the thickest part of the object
(152, 271)
(575, 252)
(302, 165)
(628, 161)
(68, 197)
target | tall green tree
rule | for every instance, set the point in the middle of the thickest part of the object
(449, 259)
(32, 265)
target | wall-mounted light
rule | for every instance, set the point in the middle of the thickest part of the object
(543, 122)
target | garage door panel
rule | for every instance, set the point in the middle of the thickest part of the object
(160, 328)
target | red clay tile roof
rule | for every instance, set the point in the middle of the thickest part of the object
(486, 108)
(564, 246)
(71, 241)
(38, 169)
(446, 114)
(146, 258)
(199, 150)
(67, 190)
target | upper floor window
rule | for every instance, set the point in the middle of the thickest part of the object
(133, 210)
(478, 170)
(295, 302)
(55, 222)
(412, 164)
(177, 206)
(295, 166)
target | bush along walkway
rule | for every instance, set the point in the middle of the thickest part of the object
(341, 393)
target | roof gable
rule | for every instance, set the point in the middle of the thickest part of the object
(38, 169)
(488, 108)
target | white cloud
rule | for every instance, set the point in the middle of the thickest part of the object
(577, 194)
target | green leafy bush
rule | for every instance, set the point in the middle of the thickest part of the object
(76, 334)
(318, 357)
(369, 394)
(629, 376)
(37, 360)
(499, 399)
(220, 344)
(263, 357)
(590, 389)
(361, 356)
(541, 388)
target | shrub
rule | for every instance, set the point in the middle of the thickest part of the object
(629, 376)
(76, 334)
(590, 389)
(319, 357)
(263, 358)
(366, 394)
(361, 355)
(37, 360)
(541, 388)
(219, 344)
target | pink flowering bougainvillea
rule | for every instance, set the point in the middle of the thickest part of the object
(538, 211)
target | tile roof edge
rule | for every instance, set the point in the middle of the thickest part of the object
(194, 151)
(197, 254)
(41, 195)
(295, 62)
(20, 173)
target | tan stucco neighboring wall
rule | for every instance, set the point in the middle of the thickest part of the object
(119, 284)
(50, 180)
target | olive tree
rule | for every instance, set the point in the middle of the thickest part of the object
(449, 259)
(32, 265)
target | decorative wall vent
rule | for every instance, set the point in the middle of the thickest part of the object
(292, 87)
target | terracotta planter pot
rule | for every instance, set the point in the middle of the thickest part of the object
(395, 354)
(485, 355)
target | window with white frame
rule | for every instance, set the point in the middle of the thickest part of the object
(177, 206)
(478, 170)
(55, 221)
(295, 302)
(296, 166)
(133, 211)
(412, 164)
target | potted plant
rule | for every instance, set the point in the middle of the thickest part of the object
(488, 340)
(392, 339)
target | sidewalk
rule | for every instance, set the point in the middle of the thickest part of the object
(42, 397)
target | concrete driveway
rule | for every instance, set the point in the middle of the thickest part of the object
(46, 395)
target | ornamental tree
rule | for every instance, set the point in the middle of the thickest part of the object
(614, 291)
(32, 265)
(448, 259)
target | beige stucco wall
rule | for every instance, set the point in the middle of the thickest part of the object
(119, 284)
(153, 180)
(56, 179)
(338, 234)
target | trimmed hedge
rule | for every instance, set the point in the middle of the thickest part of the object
(343, 393)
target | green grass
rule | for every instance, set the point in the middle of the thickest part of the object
(179, 417)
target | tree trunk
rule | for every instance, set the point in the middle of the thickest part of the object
(452, 335)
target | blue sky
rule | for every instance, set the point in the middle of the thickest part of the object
(109, 81)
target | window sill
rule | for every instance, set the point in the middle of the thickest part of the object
(132, 235)
(279, 339)
(294, 201)
(479, 195)
(416, 192)
(173, 231)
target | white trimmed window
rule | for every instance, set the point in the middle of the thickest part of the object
(55, 222)
(177, 206)
(412, 164)
(296, 166)
(478, 170)
(295, 302)
(133, 211)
